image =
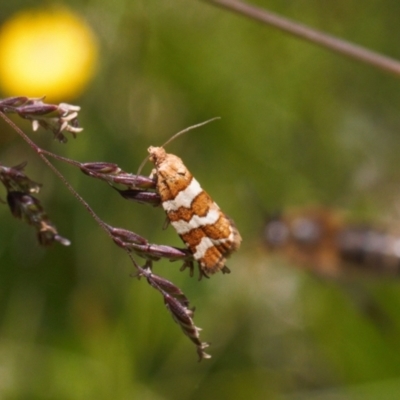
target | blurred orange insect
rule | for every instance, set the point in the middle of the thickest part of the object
(321, 240)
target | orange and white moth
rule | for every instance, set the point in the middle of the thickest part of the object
(208, 233)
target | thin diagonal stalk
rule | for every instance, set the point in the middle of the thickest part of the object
(315, 36)
(41, 153)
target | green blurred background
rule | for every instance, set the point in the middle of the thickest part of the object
(299, 126)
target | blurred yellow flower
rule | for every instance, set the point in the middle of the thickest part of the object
(48, 53)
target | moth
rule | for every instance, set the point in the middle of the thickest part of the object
(209, 234)
(322, 240)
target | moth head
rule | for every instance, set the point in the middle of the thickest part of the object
(156, 154)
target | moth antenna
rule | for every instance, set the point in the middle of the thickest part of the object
(173, 137)
(142, 164)
(189, 129)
